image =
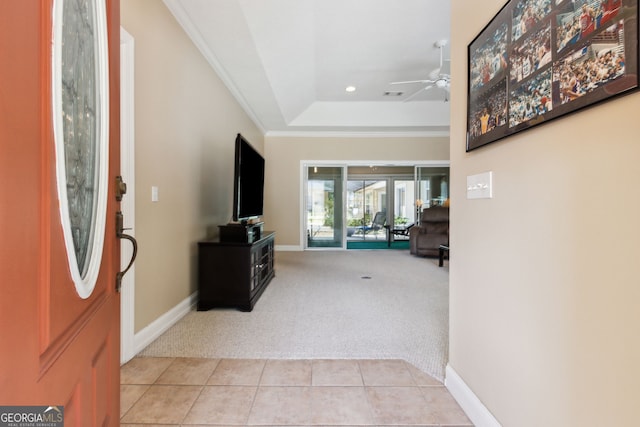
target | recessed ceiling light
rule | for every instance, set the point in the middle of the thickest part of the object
(350, 89)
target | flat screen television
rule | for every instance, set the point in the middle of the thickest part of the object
(248, 183)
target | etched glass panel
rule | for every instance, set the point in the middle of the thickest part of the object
(79, 124)
(81, 133)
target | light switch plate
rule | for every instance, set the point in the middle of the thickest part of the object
(480, 186)
(154, 194)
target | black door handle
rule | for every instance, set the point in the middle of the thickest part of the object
(121, 235)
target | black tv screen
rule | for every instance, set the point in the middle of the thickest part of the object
(248, 191)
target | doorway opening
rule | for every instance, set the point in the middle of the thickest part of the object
(368, 207)
(127, 171)
(379, 198)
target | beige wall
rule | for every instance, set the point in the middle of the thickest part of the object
(545, 277)
(283, 175)
(185, 126)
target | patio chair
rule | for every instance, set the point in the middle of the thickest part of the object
(377, 224)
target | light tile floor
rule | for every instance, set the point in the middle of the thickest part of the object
(158, 391)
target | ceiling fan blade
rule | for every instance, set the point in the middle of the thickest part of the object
(413, 81)
(414, 94)
(438, 77)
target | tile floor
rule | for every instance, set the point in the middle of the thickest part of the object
(230, 392)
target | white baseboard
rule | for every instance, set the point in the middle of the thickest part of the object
(288, 248)
(159, 326)
(468, 401)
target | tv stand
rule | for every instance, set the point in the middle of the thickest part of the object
(234, 274)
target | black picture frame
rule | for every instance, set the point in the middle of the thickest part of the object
(538, 60)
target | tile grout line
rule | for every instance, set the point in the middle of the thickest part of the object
(255, 394)
(145, 392)
(137, 400)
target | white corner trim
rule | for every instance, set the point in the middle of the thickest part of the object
(468, 401)
(159, 326)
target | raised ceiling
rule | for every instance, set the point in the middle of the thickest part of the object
(288, 62)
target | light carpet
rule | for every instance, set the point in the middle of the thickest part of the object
(364, 304)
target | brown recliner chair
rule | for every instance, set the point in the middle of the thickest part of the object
(430, 233)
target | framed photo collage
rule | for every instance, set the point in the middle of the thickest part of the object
(538, 60)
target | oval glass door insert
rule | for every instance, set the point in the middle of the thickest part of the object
(80, 108)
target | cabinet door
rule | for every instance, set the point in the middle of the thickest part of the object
(255, 270)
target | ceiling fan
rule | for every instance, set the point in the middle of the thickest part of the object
(438, 78)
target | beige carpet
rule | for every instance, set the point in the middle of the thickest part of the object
(356, 304)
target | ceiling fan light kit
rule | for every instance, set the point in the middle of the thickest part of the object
(440, 43)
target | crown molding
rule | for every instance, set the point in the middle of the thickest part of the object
(187, 25)
(357, 134)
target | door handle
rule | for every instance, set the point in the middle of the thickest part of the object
(121, 190)
(121, 235)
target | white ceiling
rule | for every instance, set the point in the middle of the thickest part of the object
(288, 62)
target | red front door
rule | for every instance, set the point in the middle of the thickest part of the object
(56, 349)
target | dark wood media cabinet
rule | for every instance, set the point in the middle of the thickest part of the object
(234, 274)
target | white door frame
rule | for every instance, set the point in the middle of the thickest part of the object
(127, 170)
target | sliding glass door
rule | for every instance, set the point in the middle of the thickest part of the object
(379, 199)
(404, 210)
(366, 208)
(324, 207)
(433, 185)
(355, 206)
